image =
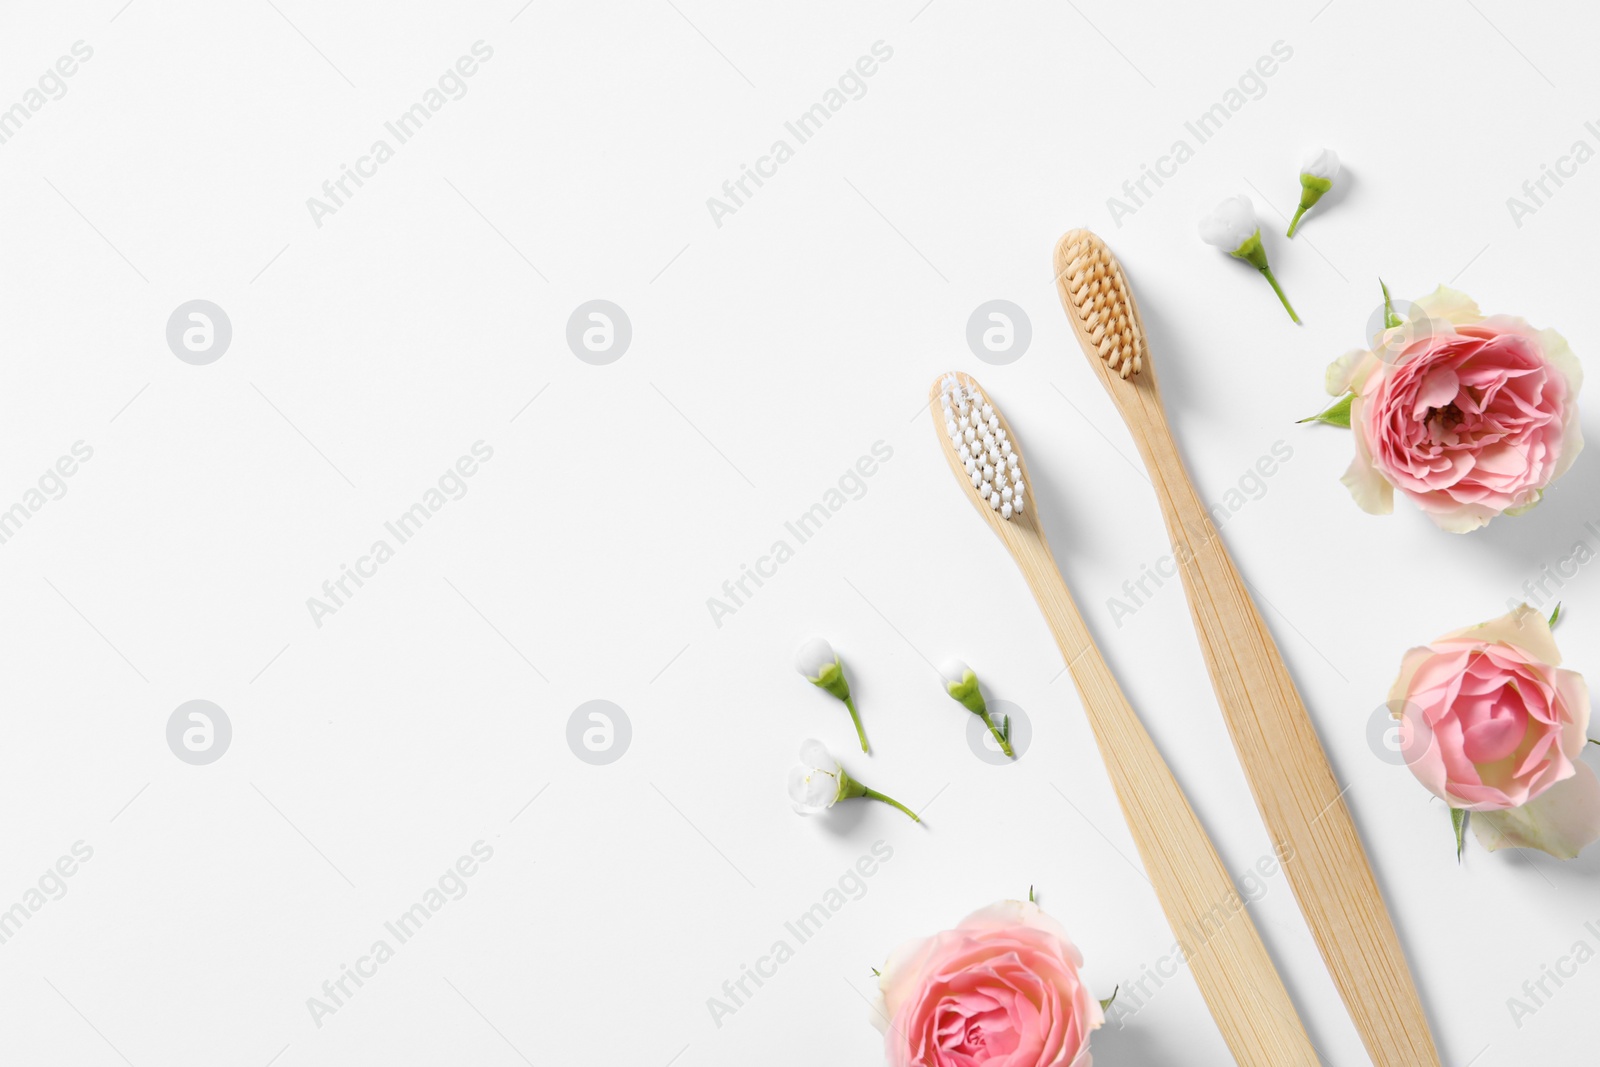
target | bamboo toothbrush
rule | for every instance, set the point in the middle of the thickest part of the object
(1224, 952)
(1295, 790)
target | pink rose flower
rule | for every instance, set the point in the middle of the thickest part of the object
(1001, 988)
(1468, 416)
(1491, 724)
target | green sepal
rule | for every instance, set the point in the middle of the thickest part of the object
(1312, 188)
(1555, 616)
(968, 694)
(832, 679)
(1252, 252)
(1458, 819)
(1338, 414)
(1390, 319)
(849, 789)
(1105, 1005)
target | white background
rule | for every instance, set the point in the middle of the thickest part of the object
(768, 354)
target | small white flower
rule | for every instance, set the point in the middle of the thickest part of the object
(1317, 171)
(819, 664)
(961, 685)
(817, 782)
(1232, 228)
(1230, 225)
(814, 781)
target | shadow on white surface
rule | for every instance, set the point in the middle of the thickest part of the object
(1136, 1045)
(1546, 534)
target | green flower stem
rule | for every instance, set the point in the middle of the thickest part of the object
(1266, 272)
(1311, 190)
(855, 717)
(1005, 745)
(833, 681)
(849, 787)
(1252, 253)
(873, 794)
(1295, 222)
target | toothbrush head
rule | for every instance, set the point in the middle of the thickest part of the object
(980, 447)
(1099, 302)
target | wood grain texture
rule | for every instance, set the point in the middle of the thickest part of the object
(1299, 799)
(1209, 918)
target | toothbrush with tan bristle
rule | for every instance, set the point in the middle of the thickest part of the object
(1299, 799)
(1225, 954)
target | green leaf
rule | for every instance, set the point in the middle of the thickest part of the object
(1337, 415)
(1390, 319)
(1458, 819)
(1555, 616)
(1105, 1005)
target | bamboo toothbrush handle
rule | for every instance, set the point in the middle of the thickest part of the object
(1215, 933)
(1295, 789)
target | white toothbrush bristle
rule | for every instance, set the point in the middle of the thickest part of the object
(984, 449)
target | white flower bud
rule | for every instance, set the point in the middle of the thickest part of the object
(953, 670)
(1231, 224)
(1321, 163)
(813, 656)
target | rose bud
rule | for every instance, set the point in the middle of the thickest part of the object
(1317, 172)
(1232, 228)
(962, 686)
(1002, 987)
(818, 664)
(1492, 726)
(1470, 417)
(818, 782)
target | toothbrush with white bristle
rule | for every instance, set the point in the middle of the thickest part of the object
(1229, 963)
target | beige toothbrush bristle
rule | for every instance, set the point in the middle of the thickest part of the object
(1100, 299)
